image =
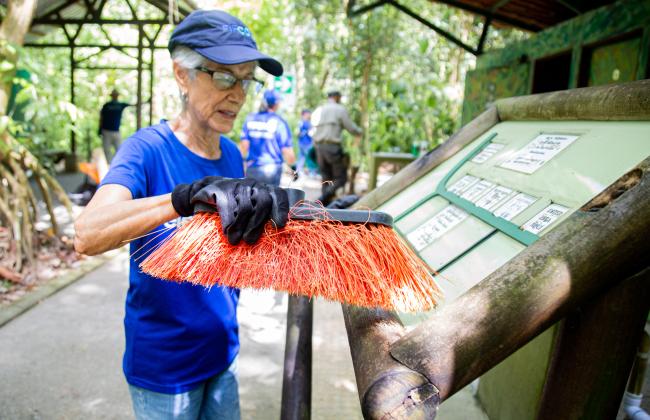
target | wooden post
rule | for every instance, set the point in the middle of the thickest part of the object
(387, 389)
(587, 254)
(151, 74)
(594, 353)
(296, 382)
(138, 109)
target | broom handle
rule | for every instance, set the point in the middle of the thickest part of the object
(295, 196)
(340, 215)
(312, 212)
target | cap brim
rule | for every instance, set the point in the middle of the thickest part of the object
(237, 54)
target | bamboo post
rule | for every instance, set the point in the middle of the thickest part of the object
(387, 389)
(591, 251)
(593, 355)
(616, 102)
(296, 382)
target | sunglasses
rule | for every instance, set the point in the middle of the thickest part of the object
(225, 81)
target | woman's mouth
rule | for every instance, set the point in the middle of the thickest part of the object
(227, 114)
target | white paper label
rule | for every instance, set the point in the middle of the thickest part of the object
(477, 190)
(544, 218)
(462, 184)
(438, 225)
(494, 197)
(514, 206)
(539, 151)
(489, 151)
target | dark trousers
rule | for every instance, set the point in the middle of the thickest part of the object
(333, 167)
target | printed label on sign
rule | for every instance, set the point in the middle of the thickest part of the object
(539, 151)
(462, 184)
(514, 206)
(477, 190)
(489, 151)
(441, 223)
(494, 197)
(544, 218)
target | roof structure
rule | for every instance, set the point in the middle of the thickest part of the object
(146, 17)
(529, 15)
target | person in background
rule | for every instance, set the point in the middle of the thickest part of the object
(266, 141)
(328, 122)
(110, 118)
(182, 341)
(304, 142)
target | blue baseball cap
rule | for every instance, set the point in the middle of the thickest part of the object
(271, 97)
(222, 38)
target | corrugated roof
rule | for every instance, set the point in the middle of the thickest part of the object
(532, 15)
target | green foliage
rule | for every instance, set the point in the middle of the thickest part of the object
(401, 81)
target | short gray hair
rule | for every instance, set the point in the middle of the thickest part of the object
(189, 60)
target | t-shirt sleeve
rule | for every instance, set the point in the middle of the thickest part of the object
(128, 168)
(348, 124)
(284, 135)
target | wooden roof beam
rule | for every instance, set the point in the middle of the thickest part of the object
(496, 15)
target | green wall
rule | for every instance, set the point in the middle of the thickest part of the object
(607, 45)
(512, 389)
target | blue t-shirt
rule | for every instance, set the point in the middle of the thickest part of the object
(177, 334)
(268, 133)
(112, 115)
(304, 139)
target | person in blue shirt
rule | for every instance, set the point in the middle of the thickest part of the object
(266, 141)
(305, 142)
(182, 340)
(110, 118)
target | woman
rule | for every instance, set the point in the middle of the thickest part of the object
(182, 341)
(266, 141)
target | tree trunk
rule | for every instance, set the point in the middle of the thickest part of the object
(17, 202)
(358, 142)
(12, 32)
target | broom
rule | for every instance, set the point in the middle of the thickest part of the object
(349, 256)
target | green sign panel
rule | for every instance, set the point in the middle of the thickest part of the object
(284, 84)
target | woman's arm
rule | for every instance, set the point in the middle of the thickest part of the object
(112, 218)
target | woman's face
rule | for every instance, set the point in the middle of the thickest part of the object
(212, 107)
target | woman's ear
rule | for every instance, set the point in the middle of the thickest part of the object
(182, 78)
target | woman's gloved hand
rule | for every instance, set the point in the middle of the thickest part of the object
(244, 205)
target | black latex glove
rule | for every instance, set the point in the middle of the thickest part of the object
(244, 205)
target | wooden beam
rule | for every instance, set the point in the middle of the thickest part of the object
(134, 14)
(351, 12)
(63, 21)
(594, 353)
(438, 30)
(387, 389)
(617, 102)
(587, 254)
(138, 108)
(104, 46)
(484, 32)
(496, 15)
(55, 11)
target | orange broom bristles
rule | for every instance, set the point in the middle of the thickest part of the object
(360, 264)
